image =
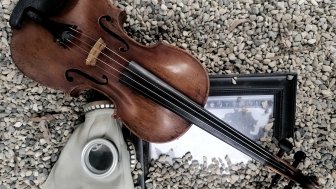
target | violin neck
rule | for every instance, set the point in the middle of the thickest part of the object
(160, 92)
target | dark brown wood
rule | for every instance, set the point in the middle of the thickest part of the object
(38, 56)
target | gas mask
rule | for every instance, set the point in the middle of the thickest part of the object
(96, 155)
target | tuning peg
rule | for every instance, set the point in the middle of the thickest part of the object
(275, 180)
(291, 183)
(299, 157)
(285, 147)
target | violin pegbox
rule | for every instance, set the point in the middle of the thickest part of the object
(285, 147)
(299, 157)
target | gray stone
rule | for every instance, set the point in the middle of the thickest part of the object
(311, 41)
(255, 10)
(232, 56)
(270, 55)
(326, 68)
(241, 56)
(298, 38)
(280, 5)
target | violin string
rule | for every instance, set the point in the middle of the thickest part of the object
(152, 91)
(272, 163)
(87, 36)
(111, 57)
(243, 136)
(101, 68)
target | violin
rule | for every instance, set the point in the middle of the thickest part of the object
(159, 91)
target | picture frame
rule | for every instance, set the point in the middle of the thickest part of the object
(282, 87)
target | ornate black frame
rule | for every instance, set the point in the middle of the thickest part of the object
(282, 86)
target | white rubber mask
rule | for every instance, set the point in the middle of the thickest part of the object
(106, 163)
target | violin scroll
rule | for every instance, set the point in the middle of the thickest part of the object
(306, 182)
(285, 147)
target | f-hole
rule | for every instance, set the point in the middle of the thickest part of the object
(116, 36)
(104, 79)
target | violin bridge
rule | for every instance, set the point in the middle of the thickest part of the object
(97, 48)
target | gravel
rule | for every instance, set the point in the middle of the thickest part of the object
(228, 37)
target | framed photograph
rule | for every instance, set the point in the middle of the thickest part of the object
(252, 104)
(281, 86)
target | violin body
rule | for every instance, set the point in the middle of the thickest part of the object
(36, 54)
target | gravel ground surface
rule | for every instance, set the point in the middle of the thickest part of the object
(228, 37)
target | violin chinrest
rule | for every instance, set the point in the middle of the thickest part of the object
(47, 7)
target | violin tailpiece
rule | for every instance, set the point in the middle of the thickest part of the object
(97, 48)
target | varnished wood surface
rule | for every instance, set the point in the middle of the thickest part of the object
(39, 57)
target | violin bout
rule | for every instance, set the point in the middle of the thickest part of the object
(94, 52)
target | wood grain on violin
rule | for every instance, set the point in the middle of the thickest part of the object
(158, 90)
(38, 56)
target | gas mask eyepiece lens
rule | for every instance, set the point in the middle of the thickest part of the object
(99, 158)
